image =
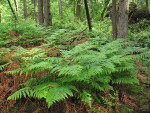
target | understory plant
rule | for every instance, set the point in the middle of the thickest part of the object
(22, 34)
(84, 72)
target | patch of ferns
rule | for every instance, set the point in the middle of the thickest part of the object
(80, 72)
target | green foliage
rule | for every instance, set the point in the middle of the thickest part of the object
(44, 88)
(91, 65)
(85, 65)
(2, 66)
(140, 26)
(140, 36)
(23, 34)
(86, 97)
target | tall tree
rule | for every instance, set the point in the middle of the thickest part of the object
(120, 18)
(88, 15)
(16, 6)
(91, 8)
(47, 13)
(35, 6)
(40, 12)
(114, 18)
(25, 9)
(78, 9)
(60, 8)
(122, 26)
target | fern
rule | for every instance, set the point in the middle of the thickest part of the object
(24, 92)
(3, 65)
(86, 97)
(90, 65)
(51, 91)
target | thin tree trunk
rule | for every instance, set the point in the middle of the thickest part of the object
(114, 19)
(122, 26)
(60, 8)
(91, 8)
(25, 9)
(16, 6)
(35, 12)
(47, 13)
(12, 10)
(88, 15)
(147, 5)
(40, 12)
(78, 9)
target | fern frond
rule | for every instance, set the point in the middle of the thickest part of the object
(3, 66)
(52, 92)
(24, 92)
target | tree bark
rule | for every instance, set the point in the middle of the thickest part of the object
(35, 12)
(91, 8)
(122, 26)
(60, 8)
(16, 6)
(47, 13)
(25, 9)
(40, 12)
(78, 9)
(88, 15)
(114, 19)
(120, 19)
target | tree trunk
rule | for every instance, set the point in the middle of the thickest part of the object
(88, 15)
(122, 27)
(60, 8)
(91, 8)
(147, 5)
(47, 13)
(12, 10)
(16, 6)
(25, 9)
(78, 10)
(120, 19)
(35, 12)
(114, 19)
(40, 12)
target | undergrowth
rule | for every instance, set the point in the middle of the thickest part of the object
(83, 72)
(20, 34)
(62, 65)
